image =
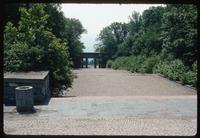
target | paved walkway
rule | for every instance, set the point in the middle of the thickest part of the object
(103, 105)
(108, 82)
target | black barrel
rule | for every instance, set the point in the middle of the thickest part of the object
(24, 99)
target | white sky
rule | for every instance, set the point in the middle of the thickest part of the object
(96, 16)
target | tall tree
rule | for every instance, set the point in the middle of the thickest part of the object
(179, 34)
(73, 30)
(147, 41)
(110, 38)
(68, 30)
(31, 46)
(56, 20)
(134, 23)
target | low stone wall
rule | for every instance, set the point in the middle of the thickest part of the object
(38, 80)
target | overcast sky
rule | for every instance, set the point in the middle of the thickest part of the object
(96, 16)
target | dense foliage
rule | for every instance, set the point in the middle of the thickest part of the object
(161, 40)
(68, 30)
(40, 41)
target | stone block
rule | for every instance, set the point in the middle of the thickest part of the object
(38, 80)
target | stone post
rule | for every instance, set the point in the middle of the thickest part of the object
(82, 62)
(86, 62)
(95, 63)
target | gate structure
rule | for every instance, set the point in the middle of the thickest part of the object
(95, 55)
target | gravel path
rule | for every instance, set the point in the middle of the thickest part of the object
(108, 82)
(108, 102)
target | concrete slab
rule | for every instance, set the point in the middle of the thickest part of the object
(115, 107)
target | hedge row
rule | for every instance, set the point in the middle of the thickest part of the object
(174, 69)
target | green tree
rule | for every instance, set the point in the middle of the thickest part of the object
(32, 46)
(179, 34)
(73, 30)
(56, 20)
(109, 40)
(68, 30)
(146, 40)
(11, 12)
(135, 23)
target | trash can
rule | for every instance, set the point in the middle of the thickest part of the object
(24, 99)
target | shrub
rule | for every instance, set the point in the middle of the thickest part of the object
(120, 63)
(109, 64)
(137, 62)
(161, 68)
(171, 69)
(194, 67)
(148, 64)
(190, 77)
(176, 70)
(131, 63)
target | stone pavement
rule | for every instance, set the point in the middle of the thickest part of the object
(126, 113)
(108, 82)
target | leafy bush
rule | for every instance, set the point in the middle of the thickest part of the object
(148, 64)
(137, 62)
(126, 63)
(190, 77)
(109, 64)
(131, 63)
(32, 47)
(176, 70)
(119, 63)
(171, 69)
(194, 67)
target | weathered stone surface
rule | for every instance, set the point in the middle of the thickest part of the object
(26, 75)
(38, 80)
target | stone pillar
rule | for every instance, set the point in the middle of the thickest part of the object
(95, 63)
(81, 62)
(24, 99)
(86, 62)
(99, 63)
